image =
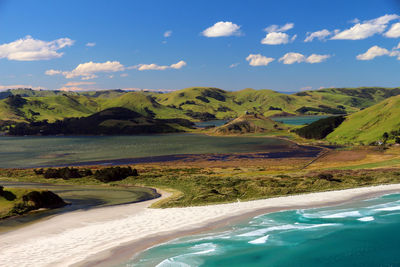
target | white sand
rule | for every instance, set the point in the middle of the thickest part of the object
(72, 237)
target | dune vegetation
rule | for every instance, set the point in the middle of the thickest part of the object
(209, 185)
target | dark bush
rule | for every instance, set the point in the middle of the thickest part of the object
(223, 109)
(328, 177)
(202, 116)
(274, 108)
(38, 171)
(321, 109)
(66, 173)
(43, 199)
(85, 172)
(1, 190)
(114, 174)
(202, 98)
(397, 140)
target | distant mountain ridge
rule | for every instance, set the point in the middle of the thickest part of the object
(195, 104)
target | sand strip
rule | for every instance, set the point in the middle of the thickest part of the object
(104, 236)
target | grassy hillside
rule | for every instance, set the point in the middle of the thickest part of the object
(196, 104)
(250, 123)
(110, 121)
(369, 125)
(144, 104)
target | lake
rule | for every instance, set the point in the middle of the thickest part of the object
(34, 151)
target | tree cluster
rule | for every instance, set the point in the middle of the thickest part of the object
(114, 174)
(63, 173)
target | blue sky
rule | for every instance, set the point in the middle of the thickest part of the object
(81, 45)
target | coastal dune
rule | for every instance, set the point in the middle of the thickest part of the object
(85, 238)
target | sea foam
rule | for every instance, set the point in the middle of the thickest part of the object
(366, 219)
(260, 240)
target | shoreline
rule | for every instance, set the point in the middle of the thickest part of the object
(132, 250)
(107, 236)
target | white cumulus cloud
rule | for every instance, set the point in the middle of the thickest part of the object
(276, 34)
(52, 72)
(29, 49)
(275, 38)
(292, 57)
(395, 53)
(277, 28)
(91, 44)
(320, 35)
(222, 29)
(366, 29)
(315, 58)
(258, 60)
(373, 52)
(153, 66)
(394, 31)
(87, 70)
(167, 34)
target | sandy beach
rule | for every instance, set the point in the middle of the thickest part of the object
(102, 236)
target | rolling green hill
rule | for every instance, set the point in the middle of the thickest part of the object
(110, 121)
(369, 125)
(250, 123)
(196, 104)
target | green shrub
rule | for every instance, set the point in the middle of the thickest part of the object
(397, 140)
(328, 177)
(64, 173)
(114, 174)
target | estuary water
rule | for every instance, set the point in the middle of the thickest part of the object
(299, 120)
(34, 151)
(362, 233)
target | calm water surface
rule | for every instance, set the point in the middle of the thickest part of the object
(363, 233)
(32, 151)
(299, 120)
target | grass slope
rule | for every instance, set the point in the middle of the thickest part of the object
(368, 125)
(195, 103)
(110, 121)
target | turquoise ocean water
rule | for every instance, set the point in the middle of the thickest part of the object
(362, 233)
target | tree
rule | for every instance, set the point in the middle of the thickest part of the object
(385, 136)
(397, 140)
